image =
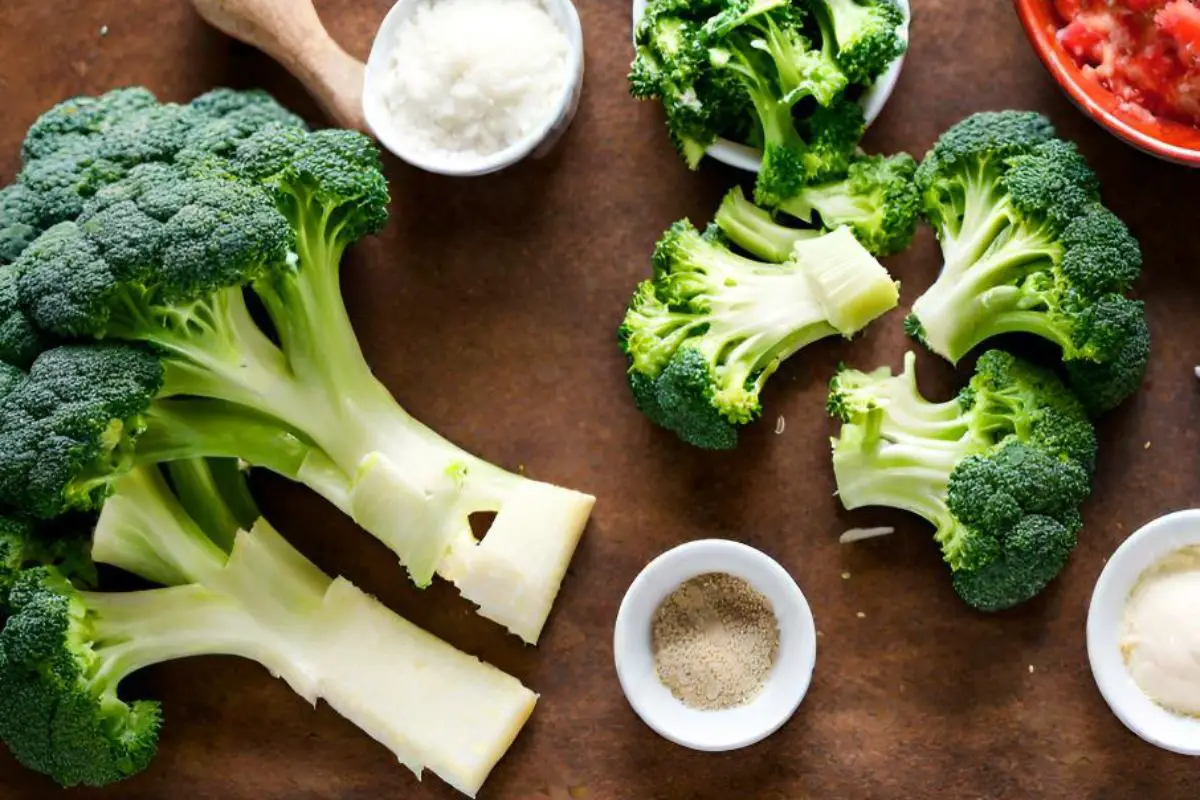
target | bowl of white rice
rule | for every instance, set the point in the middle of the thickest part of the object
(469, 87)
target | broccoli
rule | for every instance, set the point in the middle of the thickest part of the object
(207, 201)
(867, 34)
(707, 332)
(18, 222)
(243, 591)
(877, 201)
(1028, 248)
(1000, 471)
(755, 70)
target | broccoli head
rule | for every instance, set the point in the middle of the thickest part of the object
(1028, 248)
(704, 336)
(1000, 471)
(868, 35)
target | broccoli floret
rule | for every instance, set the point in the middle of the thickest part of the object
(1000, 471)
(1029, 249)
(704, 336)
(64, 543)
(867, 34)
(204, 202)
(20, 339)
(18, 222)
(878, 200)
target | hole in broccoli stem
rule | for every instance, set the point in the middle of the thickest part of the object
(481, 523)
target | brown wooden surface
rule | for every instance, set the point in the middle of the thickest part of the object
(489, 307)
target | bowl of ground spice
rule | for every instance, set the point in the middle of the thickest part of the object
(714, 645)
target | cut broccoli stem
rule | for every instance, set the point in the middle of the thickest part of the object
(755, 231)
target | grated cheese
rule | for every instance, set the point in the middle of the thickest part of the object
(473, 77)
(859, 534)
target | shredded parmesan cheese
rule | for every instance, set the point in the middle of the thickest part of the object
(858, 534)
(473, 77)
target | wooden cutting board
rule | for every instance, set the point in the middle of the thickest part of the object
(489, 306)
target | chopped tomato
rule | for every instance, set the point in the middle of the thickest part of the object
(1146, 52)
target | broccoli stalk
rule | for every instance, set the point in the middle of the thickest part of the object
(754, 230)
(1000, 471)
(161, 252)
(712, 327)
(1028, 248)
(65, 652)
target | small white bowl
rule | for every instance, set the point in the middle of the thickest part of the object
(1139, 552)
(537, 143)
(788, 682)
(873, 100)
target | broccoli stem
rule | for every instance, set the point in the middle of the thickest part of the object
(133, 630)
(197, 428)
(981, 290)
(197, 481)
(755, 231)
(911, 473)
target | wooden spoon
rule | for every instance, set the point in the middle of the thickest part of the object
(291, 33)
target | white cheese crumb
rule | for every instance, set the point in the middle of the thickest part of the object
(780, 425)
(845, 576)
(861, 615)
(472, 77)
(858, 534)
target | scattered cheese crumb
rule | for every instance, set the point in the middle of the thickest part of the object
(858, 534)
(104, 30)
(1147, 446)
(845, 576)
(861, 615)
(780, 424)
(1031, 669)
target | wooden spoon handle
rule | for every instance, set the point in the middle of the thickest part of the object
(291, 32)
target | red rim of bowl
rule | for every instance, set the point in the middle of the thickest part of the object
(1170, 140)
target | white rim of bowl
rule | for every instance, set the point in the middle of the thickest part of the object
(873, 100)
(655, 582)
(378, 120)
(1142, 550)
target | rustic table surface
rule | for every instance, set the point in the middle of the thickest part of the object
(489, 307)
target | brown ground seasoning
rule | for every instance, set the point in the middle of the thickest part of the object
(714, 639)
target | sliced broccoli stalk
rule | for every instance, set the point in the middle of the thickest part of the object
(1000, 472)
(714, 326)
(1029, 249)
(754, 230)
(867, 35)
(64, 652)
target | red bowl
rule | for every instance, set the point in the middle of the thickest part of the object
(1173, 141)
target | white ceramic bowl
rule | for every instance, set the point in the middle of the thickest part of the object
(1138, 553)
(873, 100)
(537, 143)
(787, 683)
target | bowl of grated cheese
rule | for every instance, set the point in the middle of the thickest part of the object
(470, 87)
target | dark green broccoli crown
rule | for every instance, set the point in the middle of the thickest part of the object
(685, 393)
(64, 543)
(1112, 343)
(333, 175)
(69, 429)
(1100, 255)
(156, 238)
(1051, 182)
(1030, 556)
(984, 138)
(832, 133)
(1011, 396)
(58, 714)
(73, 121)
(18, 221)
(20, 340)
(867, 35)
